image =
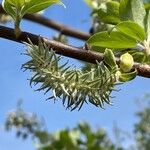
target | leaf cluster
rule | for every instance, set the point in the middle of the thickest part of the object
(127, 27)
(81, 137)
(18, 8)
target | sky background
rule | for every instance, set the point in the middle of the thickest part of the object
(14, 84)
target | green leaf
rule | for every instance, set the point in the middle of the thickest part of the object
(114, 40)
(110, 14)
(131, 29)
(16, 3)
(98, 49)
(132, 10)
(124, 77)
(33, 6)
(7, 7)
(109, 59)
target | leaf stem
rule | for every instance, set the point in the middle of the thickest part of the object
(17, 24)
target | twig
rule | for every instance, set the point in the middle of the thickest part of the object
(54, 25)
(67, 50)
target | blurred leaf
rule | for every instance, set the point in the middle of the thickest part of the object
(84, 128)
(147, 4)
(132, 10)
(110, 14)
(142, 127)
(90, 3)
(42, 136)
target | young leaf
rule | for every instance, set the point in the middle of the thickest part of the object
(33, 6)
(132, 10)
(131, 29)
(109, 59)
(124, 77)
(114, 40)
(16, 3)
(18, 8)
(7, 7)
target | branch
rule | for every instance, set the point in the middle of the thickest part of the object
(67, 50)
(54, 25)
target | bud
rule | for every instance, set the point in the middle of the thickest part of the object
(126, 62)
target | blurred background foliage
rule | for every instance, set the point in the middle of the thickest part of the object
(81, 137)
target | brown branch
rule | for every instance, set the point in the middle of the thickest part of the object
(54, 25)
(67, 50)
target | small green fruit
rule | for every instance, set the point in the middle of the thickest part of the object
(126, 62)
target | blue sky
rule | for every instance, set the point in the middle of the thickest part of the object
(14, 84)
